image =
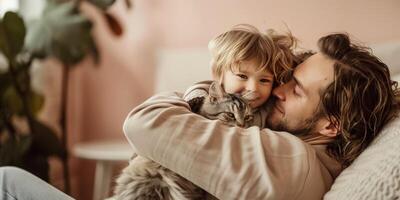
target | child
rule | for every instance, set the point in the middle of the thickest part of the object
(249, 63)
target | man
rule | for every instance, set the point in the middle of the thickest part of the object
(335, 103)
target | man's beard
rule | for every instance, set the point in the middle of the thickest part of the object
(306, 128)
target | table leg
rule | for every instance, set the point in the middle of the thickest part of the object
(102, 180)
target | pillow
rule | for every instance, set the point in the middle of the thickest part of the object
(389, 53)
(375, 174)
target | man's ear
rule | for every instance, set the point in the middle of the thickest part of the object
(328, 128)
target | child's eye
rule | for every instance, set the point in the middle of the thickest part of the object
(242, 76)
(264, 80)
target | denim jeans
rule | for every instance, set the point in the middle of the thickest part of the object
(18, 184)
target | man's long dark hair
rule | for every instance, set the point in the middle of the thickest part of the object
(361, 99)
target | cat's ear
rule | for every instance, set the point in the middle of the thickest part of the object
(216, 91)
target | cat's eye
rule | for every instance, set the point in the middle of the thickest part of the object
(248, 118)
(230, 115)
(213, 99)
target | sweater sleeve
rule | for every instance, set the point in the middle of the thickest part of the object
(199, 89)
(228, 162)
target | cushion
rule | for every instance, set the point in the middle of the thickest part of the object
(375, 174)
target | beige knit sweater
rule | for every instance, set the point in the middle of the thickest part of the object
(229, 162)
(375, 174)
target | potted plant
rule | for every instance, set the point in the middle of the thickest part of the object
(62, 33)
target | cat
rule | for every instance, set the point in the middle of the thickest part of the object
(231, 109)
(144, 179)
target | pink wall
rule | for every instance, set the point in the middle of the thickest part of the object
(101, 97)
(187, 23)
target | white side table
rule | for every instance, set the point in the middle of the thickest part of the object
(106, 154)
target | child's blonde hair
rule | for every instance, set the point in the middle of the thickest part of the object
(244, 42)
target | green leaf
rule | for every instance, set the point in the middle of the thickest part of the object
(25, 142)
(3, 61)
(45, 140)
(36, 102)
(5, 82)
(2, 127)
(3, 40)
(12, 34)
(13, 150)
(12, 101)
(102, 4)
(9, 154)
(61, 32)
(17, 152)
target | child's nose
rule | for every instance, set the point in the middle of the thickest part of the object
(251, 86)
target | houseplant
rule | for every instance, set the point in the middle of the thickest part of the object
(62, 33)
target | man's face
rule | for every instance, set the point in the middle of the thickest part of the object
(297, 101)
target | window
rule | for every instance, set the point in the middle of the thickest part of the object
(8, 5)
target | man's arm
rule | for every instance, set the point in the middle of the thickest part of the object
(228, 162)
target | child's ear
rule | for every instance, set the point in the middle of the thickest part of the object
(216, 91)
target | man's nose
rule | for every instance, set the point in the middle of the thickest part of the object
(279, 92)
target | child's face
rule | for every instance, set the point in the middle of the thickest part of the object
(247, 78)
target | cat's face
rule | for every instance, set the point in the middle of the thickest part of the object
(231, 109)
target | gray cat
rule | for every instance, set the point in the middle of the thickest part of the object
(144, 179)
